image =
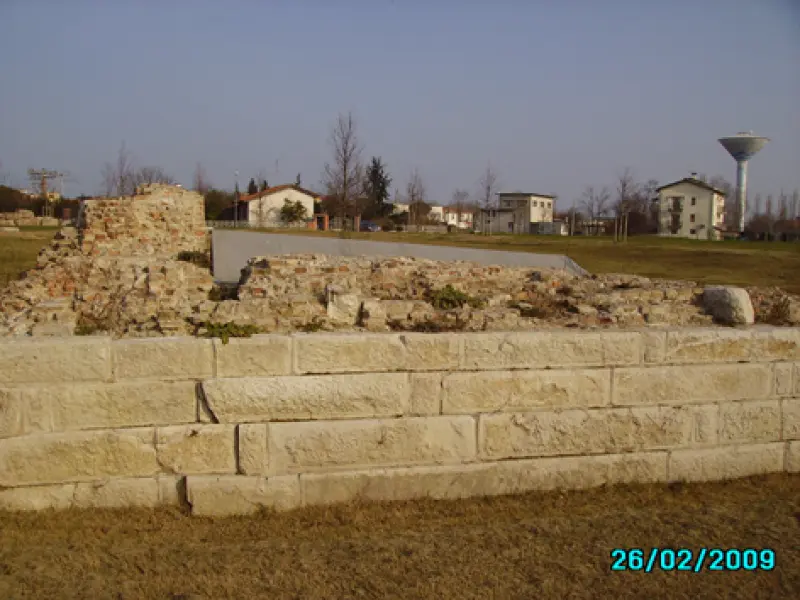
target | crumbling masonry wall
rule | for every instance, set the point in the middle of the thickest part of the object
(284, 421)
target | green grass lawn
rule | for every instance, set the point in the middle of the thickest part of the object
(728, 262)
(18, 251)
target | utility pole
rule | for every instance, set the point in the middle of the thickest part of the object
(236, 200)
(38, 179)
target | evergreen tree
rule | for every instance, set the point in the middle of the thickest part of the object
(297, 181)
(377, 190)
(264, 185)
(252, 188)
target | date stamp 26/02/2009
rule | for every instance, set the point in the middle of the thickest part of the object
(648, 560)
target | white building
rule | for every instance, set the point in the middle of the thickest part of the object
(517, 212)
(264, 207)
(691, 208)
(460, 219)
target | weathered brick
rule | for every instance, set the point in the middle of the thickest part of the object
(241, 495)
(253, 453)
(727, 462)
(708, 345)
(258, 356)
(185, 449)
(315, 446)
(783, 379)
(750, 422)
(40, 497)
(55, 360)
(687, 384)
(117, 493)
(77, 456)
(426, 394)
(162, 358)
(520, 435)
(551, 349)
(361, 352)
(466, 393)
(482, 479)
(308, 397)
(791, 418)
(776, 343)
(104, 405)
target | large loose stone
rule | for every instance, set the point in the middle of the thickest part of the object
(729, 305)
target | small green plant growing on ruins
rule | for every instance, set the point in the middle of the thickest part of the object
(780, 313)
(86, 328)
(196, 258)
(314, 325)
(223, 292)
(449, 298)
(225, 331)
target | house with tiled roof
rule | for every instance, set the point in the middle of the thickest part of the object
(263, 208)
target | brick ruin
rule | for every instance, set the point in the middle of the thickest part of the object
(122, 272)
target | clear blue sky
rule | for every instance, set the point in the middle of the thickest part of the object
(556, 94)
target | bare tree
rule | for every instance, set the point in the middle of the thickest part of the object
(415, 194)
(147, 175)
(757, 205)
(344, 177)
(627, 188)
(459, 203)
(795, 204)
(201, 184)
(595, 203)
(488, 187)
(118, 178)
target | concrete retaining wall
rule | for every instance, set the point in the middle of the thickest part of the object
(233, 248)
(286, 421)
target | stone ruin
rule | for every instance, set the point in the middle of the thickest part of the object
(139, 266)
(10, 221)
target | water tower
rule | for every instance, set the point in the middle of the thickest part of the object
(742, 147)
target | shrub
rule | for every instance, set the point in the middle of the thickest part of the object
(225, 331)
(449, 298)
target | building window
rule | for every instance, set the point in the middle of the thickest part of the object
(691, 218)
(691, 232)
(535, 203)
(694, 201)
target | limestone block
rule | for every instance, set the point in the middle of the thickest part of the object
(77, 456)
(482, 479)
(791, 418)
(426, 394)
(167, 358)
(329, 445)
(97, 406)
(550, 349)
(520, 435)
(185, 449)
(348, 352)
(258, 356)
(344, 308)
(171, 490)
(117, 493)
(776, 343)
(308, 397)
(226, 495)
(22, 413)
(727, 462)
(467, 393)
(729, 305)
(41, 497)
(792, 459)
(253, 449)
(705, 345)
(654, 345)
(783, 379)
(686, 384)
(373, 315)
(55, 360)
(749, 422)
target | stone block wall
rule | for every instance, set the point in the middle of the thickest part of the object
(283, 421)
(159, 219)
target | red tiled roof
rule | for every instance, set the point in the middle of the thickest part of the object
(278, 188)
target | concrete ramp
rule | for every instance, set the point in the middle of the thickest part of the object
(233, 248)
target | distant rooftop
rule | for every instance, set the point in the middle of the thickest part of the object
(526, 194)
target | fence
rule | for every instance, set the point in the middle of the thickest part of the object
(249, 225)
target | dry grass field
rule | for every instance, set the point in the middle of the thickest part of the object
(544, 545)
(18, 251)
